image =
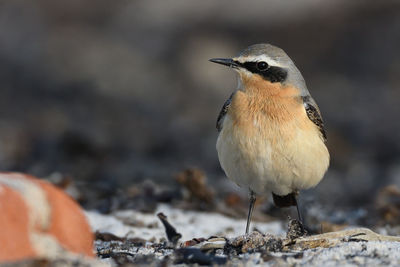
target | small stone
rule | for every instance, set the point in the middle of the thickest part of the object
(214, 243)
(193, 242)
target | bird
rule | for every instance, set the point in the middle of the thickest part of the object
(271, 132)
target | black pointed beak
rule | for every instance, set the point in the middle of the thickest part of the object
(225, 61)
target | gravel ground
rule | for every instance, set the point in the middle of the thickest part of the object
(131, 237)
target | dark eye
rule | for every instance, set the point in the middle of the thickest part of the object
(262, 66)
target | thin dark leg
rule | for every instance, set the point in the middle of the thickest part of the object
(298, 210)
(251, 207)
(305, 230)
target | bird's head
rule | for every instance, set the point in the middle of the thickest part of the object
(266, 63)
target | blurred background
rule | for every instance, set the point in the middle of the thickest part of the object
(114, 93)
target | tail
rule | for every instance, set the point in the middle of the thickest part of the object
(285, 201)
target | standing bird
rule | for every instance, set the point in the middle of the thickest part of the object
(271, 133)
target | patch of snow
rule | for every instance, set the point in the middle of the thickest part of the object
(191, 224)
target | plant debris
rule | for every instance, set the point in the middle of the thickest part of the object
(172, 234)
(295, 229)
(255, 241)
(194, 180)
(332, 239)
(388, 205)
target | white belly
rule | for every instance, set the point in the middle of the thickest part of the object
(272, 163)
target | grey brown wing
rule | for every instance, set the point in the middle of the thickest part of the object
(223, 112)
(314, 114)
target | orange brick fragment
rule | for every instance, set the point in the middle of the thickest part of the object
(39, 220)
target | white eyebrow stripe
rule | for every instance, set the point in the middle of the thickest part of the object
(269, 60)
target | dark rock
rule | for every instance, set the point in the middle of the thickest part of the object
(195, 255)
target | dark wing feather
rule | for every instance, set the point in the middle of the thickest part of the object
(314, 114)
(223, 112)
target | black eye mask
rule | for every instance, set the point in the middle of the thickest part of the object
(270, 73)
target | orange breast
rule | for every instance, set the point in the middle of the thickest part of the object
(265, 106)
